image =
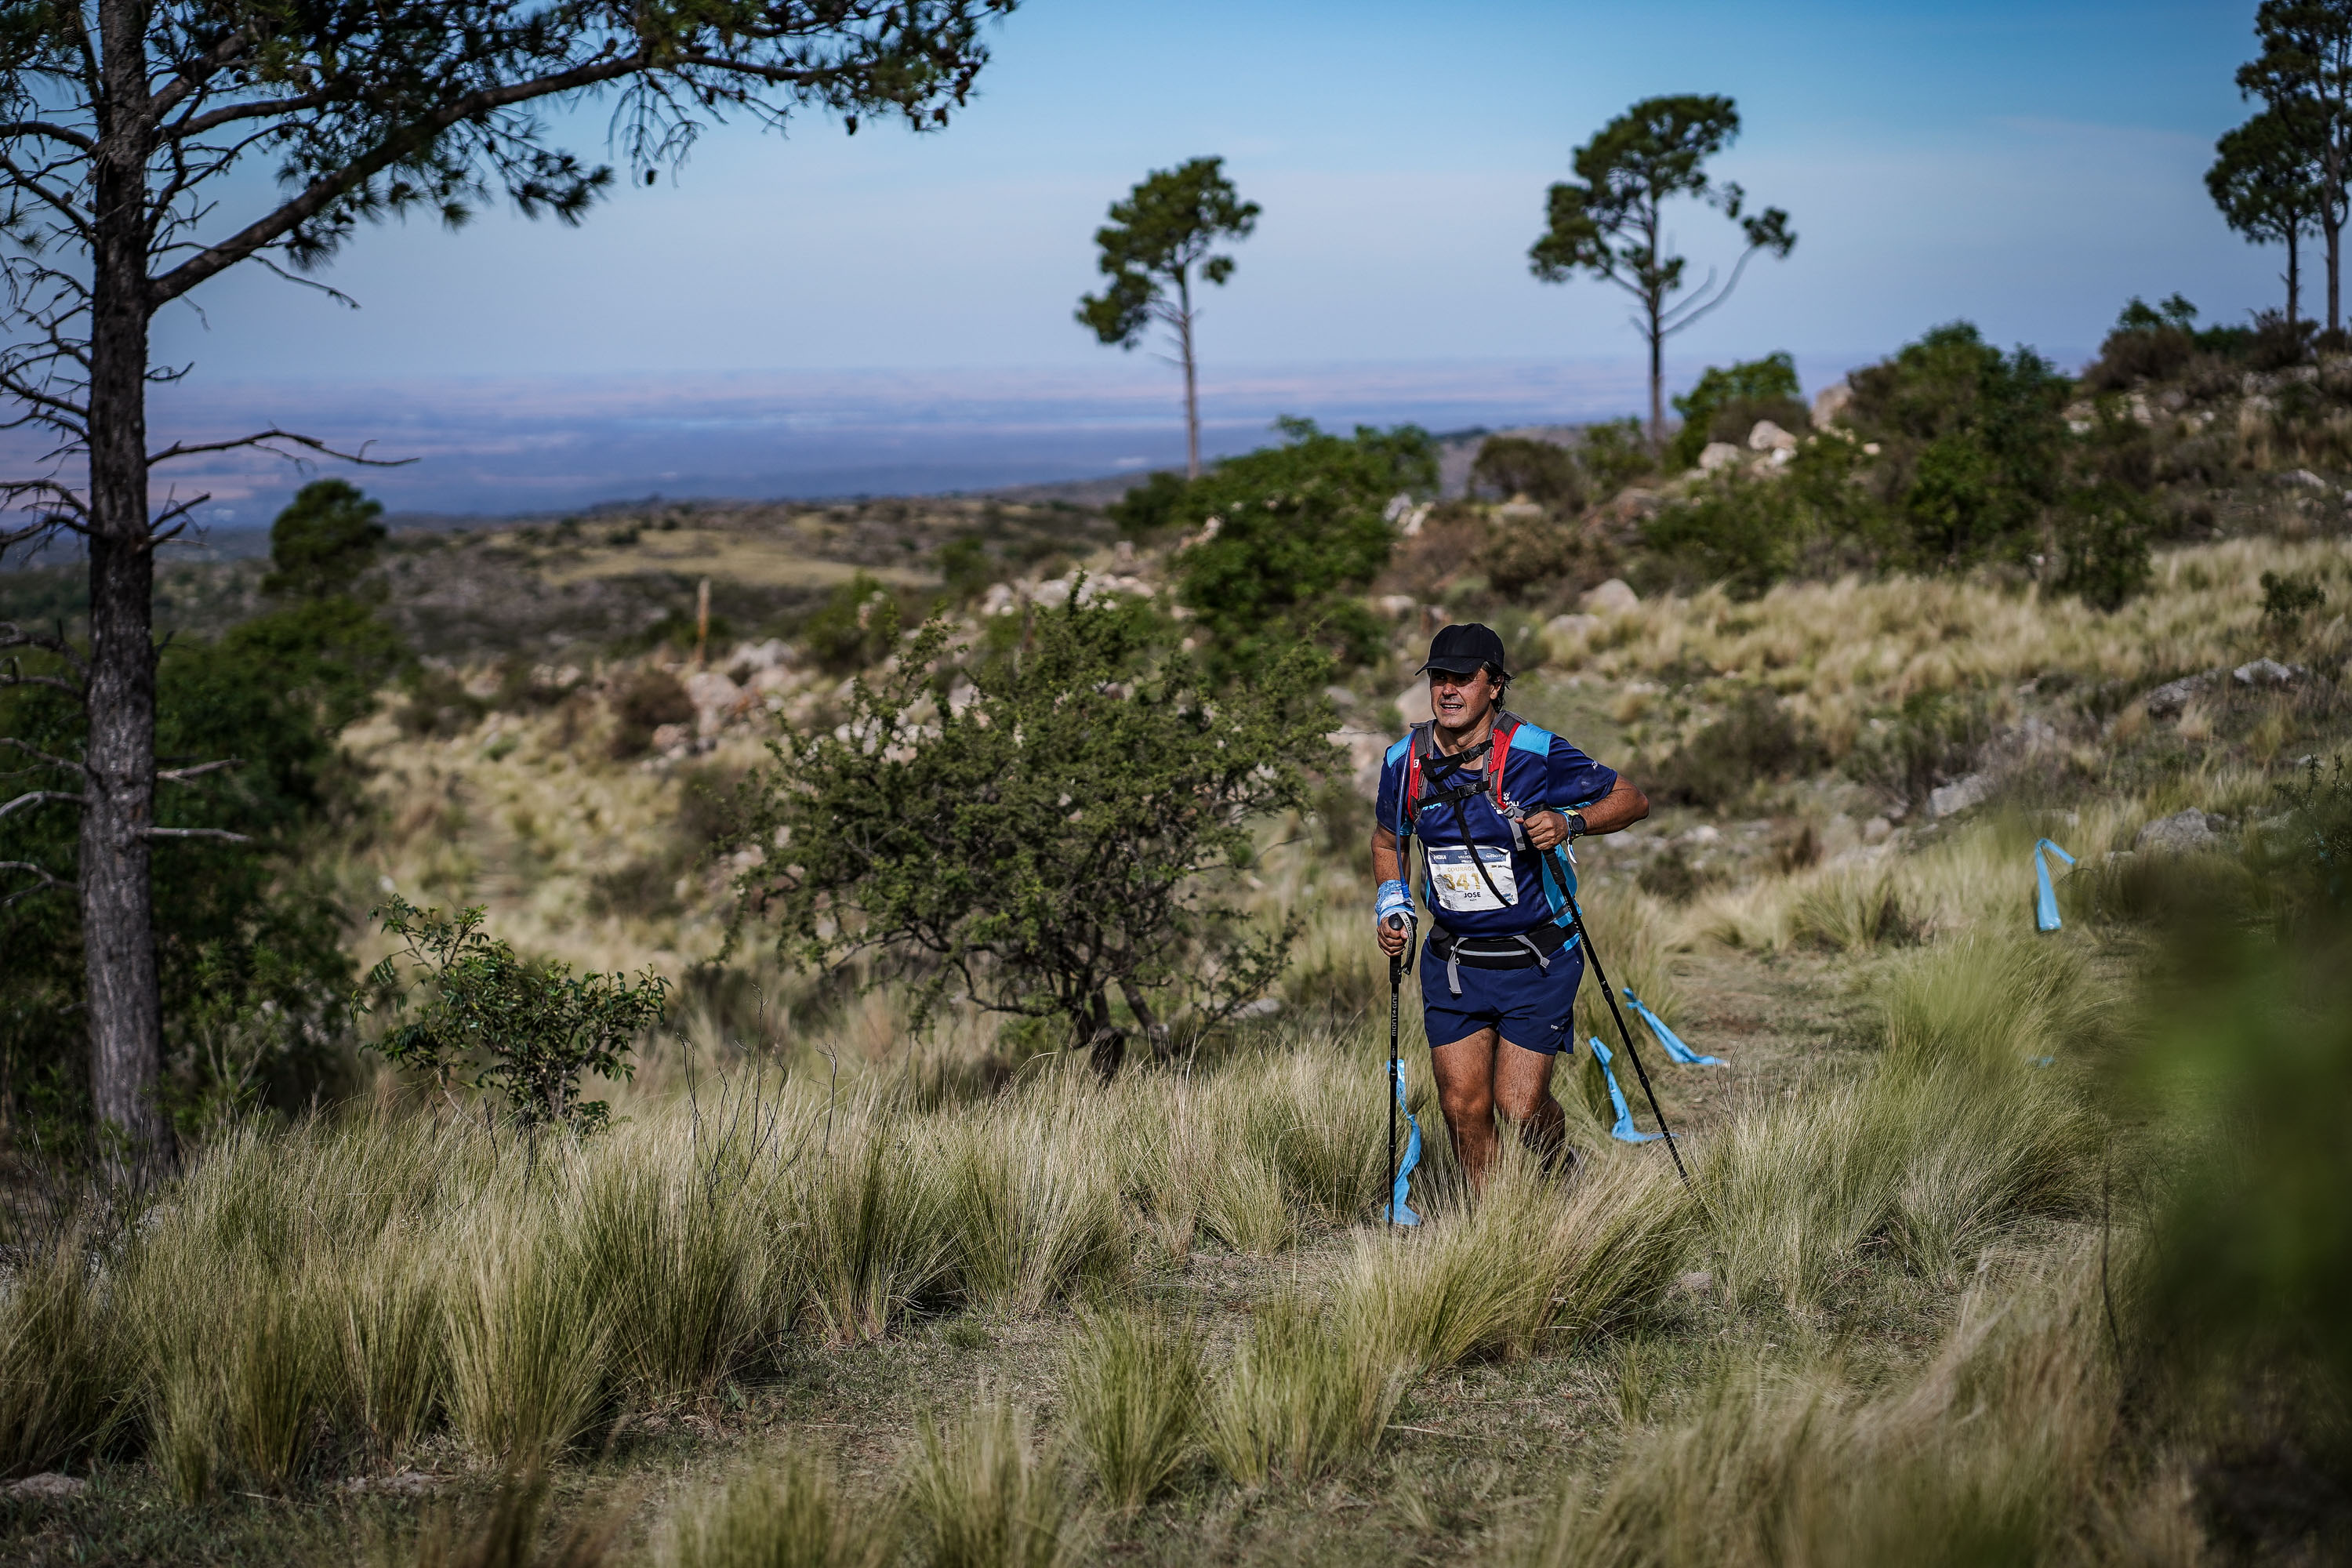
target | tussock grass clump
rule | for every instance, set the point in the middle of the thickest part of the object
(984, 1496)
(1525, 1258)
(394, 1353)
(673, 1260)
(1301, 1396)
(56, 1373)
(1956, 1131)
(1998, 1451)
(510, 1532)
(1031, 1199)
(527, 1340)
(236, 1347)
(783, 1512)
(1132, 1381)
(872, 1231)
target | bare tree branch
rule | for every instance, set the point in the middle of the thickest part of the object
(220, 833)
(43, 881)
(39, 796)
(265, 439)
(37, 753)
(181, 775)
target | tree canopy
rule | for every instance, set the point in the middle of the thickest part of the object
(1610, 222)
(137, 134)
(1166, 228)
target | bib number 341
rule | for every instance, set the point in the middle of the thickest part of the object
(1455, 878)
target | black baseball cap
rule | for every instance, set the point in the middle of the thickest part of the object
(1465, 650)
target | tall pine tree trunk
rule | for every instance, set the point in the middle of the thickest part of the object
(118, 922)
(1191, 388)
(2294, 277)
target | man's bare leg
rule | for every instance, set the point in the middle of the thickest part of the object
(1523, 1094)
(1465, 1091)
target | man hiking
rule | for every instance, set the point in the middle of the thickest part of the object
(1493, 799)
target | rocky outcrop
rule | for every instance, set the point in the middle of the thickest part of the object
(2183, 833)
(1610, 599)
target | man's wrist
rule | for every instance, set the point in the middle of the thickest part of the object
(1393, 901)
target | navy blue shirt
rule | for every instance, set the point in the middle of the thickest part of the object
(1541, 773)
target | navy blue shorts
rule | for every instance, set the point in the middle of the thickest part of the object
(1530, 1007)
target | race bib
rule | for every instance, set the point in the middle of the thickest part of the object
(1453, 878)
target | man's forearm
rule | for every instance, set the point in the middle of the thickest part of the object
(1387, 864)
(1622, 806)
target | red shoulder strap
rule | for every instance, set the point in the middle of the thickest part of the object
(1413, 737)
(1499, 753)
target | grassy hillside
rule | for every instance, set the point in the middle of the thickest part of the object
(835, 1291)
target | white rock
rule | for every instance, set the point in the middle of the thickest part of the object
(1000, 600)
(1767, 437)
(1959, 795)
(1718, 455)
(2168, 699)
(1830, 404)
(1051, 595)
(1613, 597)
(1705, 833)
(671, 737)
(2267, 672)
(716, 700)
(1264, 1007)
(1876, 830)
(1396, 607)
(2304, 478)
(1563, 628)
(1412, 703)
(50, 1486)
(2184, 832)
(773, 654)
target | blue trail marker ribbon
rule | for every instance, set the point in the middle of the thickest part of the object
(1624, 1131)
(2045, 897)
(1668, 1041)
(1398, 1212)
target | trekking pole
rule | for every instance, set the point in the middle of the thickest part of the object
(1592, 958)
(1388, 1085)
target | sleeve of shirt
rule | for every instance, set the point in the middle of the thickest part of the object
(1574, 779)
(1392, 788)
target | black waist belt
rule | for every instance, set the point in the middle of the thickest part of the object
(1522, 950)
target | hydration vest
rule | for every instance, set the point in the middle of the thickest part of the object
(1557, 867)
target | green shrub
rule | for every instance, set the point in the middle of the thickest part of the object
(1758, 741)
(2287, 598)
(1614, 454)
(2103, 535)
(1726, 403)
(855, 626)
(1544, 471)
(1052, 844)
(1973, 446)
(646, 701)
(1152, 509)
(491, 1021)
(1299, 527)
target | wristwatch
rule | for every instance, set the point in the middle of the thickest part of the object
(1576, 828)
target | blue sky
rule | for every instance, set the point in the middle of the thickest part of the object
(2027, 165)
(2024, 165)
